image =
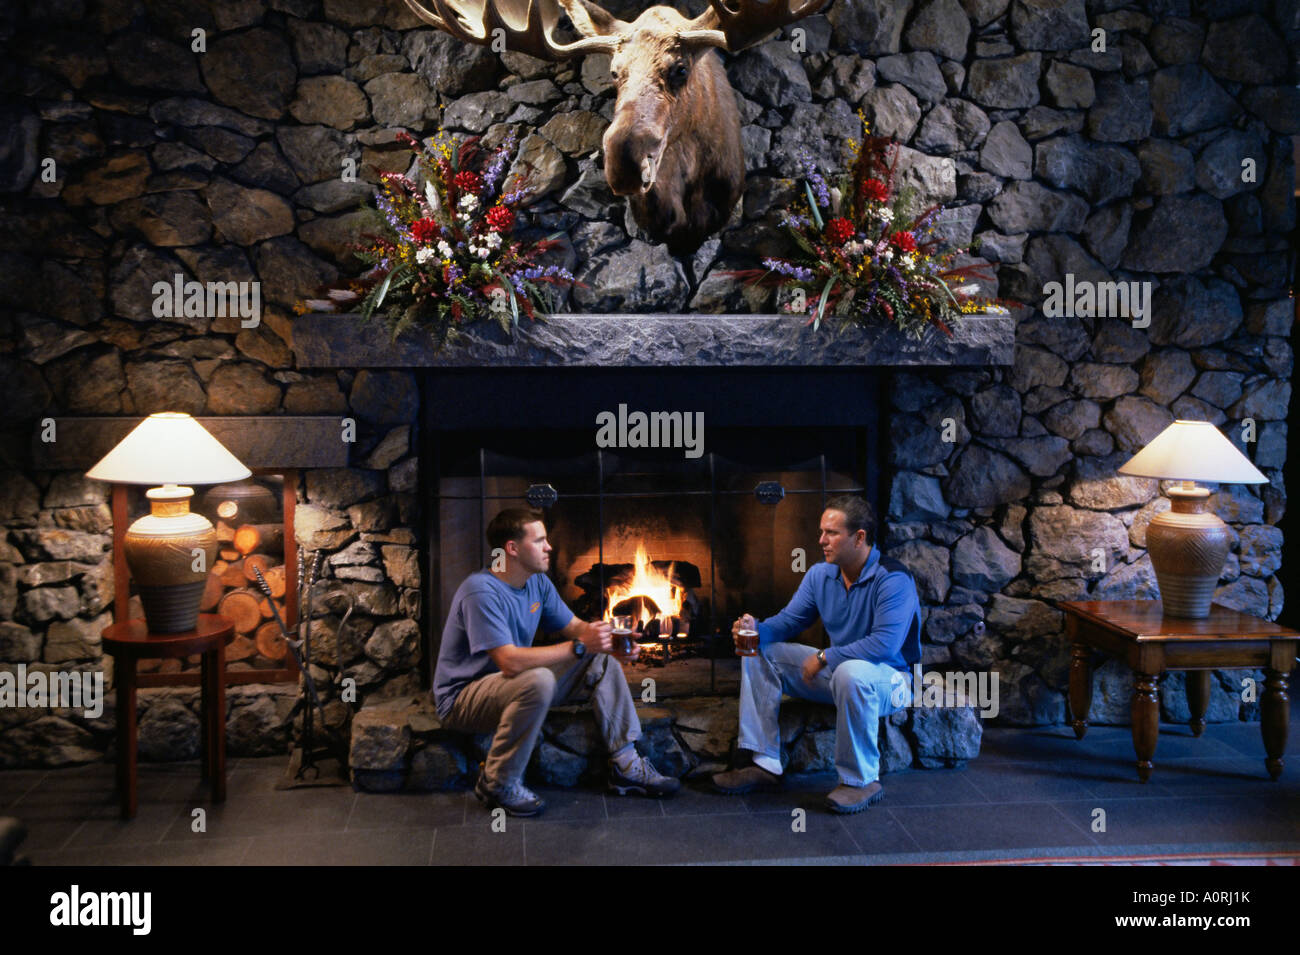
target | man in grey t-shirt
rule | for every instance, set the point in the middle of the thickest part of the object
(490, 677)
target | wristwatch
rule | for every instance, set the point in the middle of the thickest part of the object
(579, 649)
(821, 656)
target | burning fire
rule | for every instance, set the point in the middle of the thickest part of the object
(647, 582)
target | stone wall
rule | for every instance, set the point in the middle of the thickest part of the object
(225, 165)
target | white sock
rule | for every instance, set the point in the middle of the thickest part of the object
(626, 756)
(773, 766)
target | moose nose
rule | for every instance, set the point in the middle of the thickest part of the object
(629, 159)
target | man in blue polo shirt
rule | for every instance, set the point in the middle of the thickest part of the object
(490, 677)
(869, 606)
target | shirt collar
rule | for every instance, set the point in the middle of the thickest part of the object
(869, 568)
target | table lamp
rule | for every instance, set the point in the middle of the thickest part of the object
(1187, 543)
(164, 547)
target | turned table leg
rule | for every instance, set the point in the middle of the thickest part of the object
(1275, 712)
(205, 719)
(1146, 721)
(1080, 689)
(217, 733)
(1198, 698)
(126, 735)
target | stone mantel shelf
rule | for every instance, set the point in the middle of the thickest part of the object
(652, 340)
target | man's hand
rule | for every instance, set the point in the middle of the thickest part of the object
(595, 637)
(811, 667)
(628, 657)
(747, 622)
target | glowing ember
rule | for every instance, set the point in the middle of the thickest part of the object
(650, 583)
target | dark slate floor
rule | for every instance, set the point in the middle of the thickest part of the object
(1031, 793)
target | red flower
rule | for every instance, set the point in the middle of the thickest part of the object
(424, 231)
(904, 241)
(839, 230)
(876, 190)
(500, 219)
(467, 181)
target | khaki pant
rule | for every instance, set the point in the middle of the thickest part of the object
(515, 707)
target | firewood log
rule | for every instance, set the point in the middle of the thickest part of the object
(240, 607)
(212, 591)
(270, 642)
(275, 579)
(267, 538)
(241, 648)
(254, 563)
(233, 575)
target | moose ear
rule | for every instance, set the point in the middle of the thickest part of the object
(602, 21)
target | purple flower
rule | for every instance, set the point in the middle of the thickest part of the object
(782, 267)
(808, 169)
(492, 174)
(512, 198)
(386, 207)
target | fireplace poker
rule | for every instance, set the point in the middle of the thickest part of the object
(294, 645)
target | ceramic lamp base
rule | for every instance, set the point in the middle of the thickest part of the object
(169, 552)
(1188, 546)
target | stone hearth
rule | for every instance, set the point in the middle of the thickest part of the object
(401, 744)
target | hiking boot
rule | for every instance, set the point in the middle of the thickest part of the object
(848, 799)
(515, 798)
(641, 777)
(739, 781)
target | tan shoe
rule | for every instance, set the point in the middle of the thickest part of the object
(739, 781)
(848, 799)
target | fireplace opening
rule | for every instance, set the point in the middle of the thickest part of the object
(680, 545)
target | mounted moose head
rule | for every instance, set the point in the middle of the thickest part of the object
(673, 147)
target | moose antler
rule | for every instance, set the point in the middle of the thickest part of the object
(750, 21)
(527, 25)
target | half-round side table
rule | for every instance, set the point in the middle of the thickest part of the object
(130, 641)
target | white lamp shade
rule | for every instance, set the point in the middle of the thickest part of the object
(1193, 451)
(169, 448)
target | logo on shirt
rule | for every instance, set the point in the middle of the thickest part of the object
(535, 606)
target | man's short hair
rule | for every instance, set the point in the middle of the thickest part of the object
(858, 515)
(509, 525)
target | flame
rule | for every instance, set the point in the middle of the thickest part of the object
(647, 581)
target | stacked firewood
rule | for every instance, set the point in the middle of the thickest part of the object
(232, 591)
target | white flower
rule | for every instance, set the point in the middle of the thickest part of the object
(483, 253)
(468, 203)
(423, 256)
(463, 216)
(854, 247)
(908, 261)
(444, 249)
(886, 214)
(494, 240)
(886, 255)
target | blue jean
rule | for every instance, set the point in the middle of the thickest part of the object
(862, 693)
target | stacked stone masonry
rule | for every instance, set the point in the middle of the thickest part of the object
(1055, 155)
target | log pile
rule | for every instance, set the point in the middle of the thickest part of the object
(232, 591)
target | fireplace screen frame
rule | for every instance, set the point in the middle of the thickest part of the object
(544, 496)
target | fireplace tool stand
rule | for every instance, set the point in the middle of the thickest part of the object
(303, 768)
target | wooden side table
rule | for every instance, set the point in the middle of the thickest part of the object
(1138, 632)
(130, 641)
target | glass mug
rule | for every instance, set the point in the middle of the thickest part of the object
(747, 641)
(623, 636)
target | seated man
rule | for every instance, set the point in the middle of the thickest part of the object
(490, 677)
(869, 606)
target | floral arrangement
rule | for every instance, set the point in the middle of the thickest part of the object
(868, 255)
(447, 253)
